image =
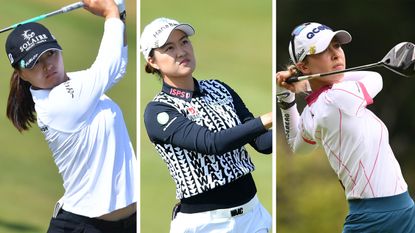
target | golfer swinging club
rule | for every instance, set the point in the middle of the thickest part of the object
(354, 139)
(84, 128)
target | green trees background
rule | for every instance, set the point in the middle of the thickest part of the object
(309, 196)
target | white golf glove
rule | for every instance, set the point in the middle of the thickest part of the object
(285, 95)
(121, 5)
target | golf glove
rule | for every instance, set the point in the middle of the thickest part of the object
(284, 94)
(285, 97)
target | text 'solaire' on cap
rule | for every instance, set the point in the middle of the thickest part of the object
(156, 33)
(27, 42)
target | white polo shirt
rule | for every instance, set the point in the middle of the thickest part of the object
(87, 135)
(355, 140)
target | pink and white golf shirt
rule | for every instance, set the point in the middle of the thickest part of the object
(354, 138)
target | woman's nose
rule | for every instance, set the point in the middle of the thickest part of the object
(181, 51)
(334, 53)
(47, 66)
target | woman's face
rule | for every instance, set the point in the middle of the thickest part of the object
(175, 59)
(47, 73)
(331, 59)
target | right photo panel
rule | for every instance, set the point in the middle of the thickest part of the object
(345, 116)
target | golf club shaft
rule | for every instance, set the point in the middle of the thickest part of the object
(307, 77)
(64, 9)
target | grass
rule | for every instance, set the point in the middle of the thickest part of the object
(29, 180)
(233, 44)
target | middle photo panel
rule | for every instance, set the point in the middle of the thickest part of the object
(206, 116)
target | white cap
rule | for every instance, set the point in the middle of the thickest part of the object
(156, 33)
(313, 38)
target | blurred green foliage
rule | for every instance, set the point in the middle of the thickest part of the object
(309, 197)
(29, 182)
(233, 43)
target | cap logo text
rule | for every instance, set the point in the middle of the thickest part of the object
(317, 30)
(162, 28)
(27, 35)
(31, 40)
(11, 58)
(300, 53)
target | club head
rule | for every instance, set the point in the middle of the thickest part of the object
(401, 59)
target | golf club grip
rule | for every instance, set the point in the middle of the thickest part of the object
(306, 77)
(292, 79)
(72, 7)
(65, 9)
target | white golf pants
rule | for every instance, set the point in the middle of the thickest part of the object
(251, 217)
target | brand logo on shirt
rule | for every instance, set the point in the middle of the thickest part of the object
(287, 125)
(69, 89)
(192, 110)
(180, 93)
(163, 118)
(193, 114)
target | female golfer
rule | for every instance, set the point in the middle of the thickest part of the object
(199, 128)
(354, 139)
(84, 128)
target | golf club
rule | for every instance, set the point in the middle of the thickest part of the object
(62, 10)
(400, 59)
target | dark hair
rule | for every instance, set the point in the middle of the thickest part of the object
(294, 69)
(20, 106)
(151, 70)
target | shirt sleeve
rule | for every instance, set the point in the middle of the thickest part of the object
(72, 102)
(372, 81)
(294, 129)
(166, 125)
(355, 92)
(262, 143)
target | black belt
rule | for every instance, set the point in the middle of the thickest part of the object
(232, 194)
(120, 224)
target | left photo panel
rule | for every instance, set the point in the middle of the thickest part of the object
(68, 128)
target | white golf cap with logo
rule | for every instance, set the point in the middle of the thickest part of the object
(156, 33)
(313, 38)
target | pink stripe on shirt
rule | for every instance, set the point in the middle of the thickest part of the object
(368, 99)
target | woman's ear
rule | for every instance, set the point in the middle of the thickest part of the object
(152, 63)
(20, 73)
(303, 67)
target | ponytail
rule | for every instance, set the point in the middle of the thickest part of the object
(151, 70)
(294, 69)
(20, 106)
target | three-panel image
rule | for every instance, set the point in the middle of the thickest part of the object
(124, 116)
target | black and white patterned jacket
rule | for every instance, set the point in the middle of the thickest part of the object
(201, 134)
